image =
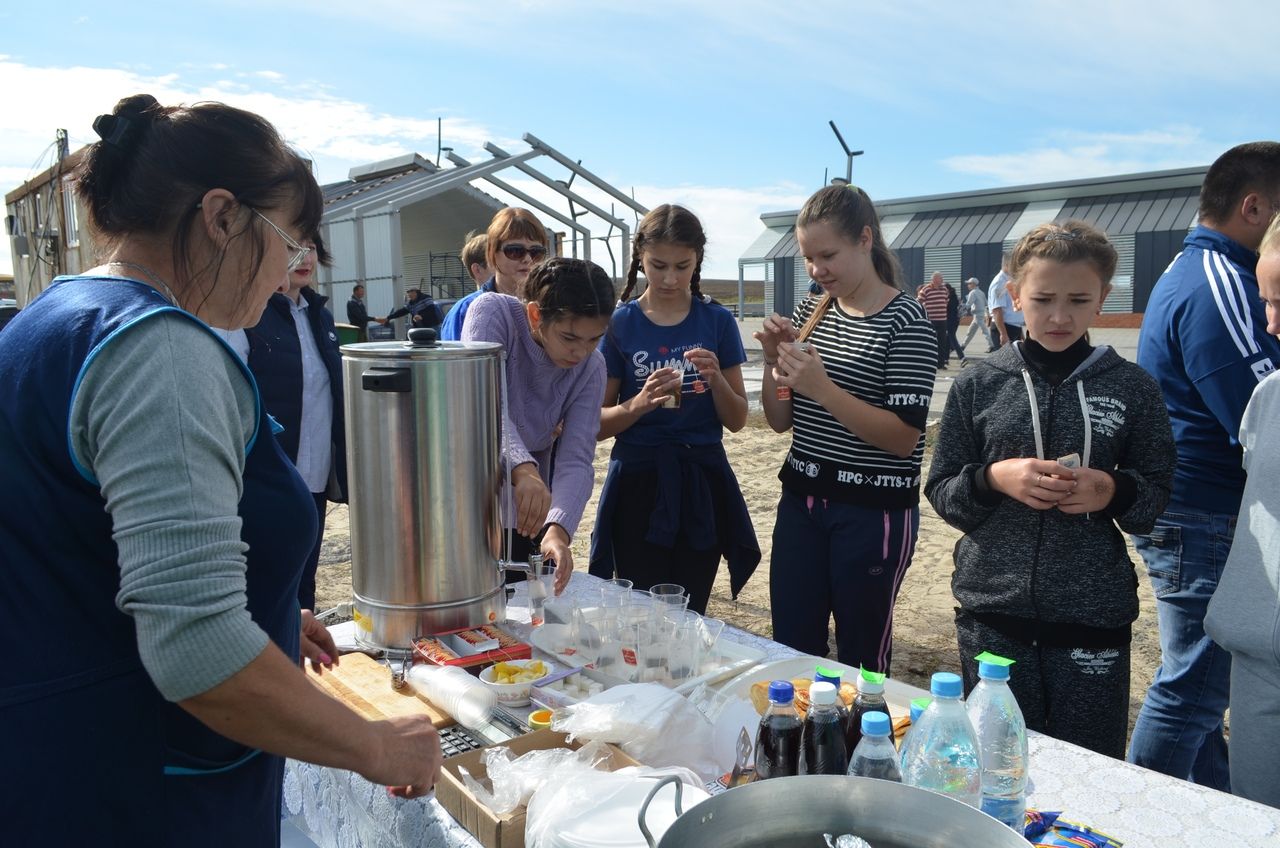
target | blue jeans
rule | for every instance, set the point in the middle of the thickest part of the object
(1179, 729)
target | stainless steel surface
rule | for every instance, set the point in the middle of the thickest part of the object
(423, 458)
(794, 812)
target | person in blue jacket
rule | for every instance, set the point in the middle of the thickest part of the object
(514, 243)
(1204, 338)
(293, 354)
(421, 308)
(671, 506)
(152, 531)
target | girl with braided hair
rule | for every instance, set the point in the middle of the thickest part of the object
(671, 506)
(860, 390)
(555, 381)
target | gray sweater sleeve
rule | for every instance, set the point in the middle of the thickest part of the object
(957, 456)
(161, 419)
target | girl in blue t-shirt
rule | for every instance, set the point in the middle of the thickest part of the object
(671, 506)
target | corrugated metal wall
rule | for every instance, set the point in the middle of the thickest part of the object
(1121, 297)
(944, 259)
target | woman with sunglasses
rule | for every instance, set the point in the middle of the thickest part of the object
(516, 241)
(293, 354)
(154, 532)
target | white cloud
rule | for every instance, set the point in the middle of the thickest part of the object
(1071, 154)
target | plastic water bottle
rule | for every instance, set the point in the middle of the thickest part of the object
(918, 706)
(778, 737)
(822, 736)
(942, 753)
(1002, 742)
(875, 755)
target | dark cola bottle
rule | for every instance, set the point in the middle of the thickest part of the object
(822, 735)
(778, 737)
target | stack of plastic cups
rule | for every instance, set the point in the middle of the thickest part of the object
(684, 648)
(451, 689)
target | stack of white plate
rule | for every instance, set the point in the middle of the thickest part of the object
(615, 824)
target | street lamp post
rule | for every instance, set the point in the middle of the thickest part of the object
(849, 154)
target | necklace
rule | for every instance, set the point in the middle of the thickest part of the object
(154, 277)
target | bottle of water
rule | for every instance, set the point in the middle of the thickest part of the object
(918, 706)
(1002, 741)
(942, 753)
(875, 755)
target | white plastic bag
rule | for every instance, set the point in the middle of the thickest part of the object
(514, 779)
(572, 793)
(653, 724)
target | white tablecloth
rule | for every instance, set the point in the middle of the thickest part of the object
(1139, 807)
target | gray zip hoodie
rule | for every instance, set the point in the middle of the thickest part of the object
(1046, 564)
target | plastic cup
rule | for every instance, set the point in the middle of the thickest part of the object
(710, 630)
(684, 650)
(670, 594)
(542, 584)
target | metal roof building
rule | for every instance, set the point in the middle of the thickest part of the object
(963, 234)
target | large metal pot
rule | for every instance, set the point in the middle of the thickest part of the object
(794, 812)
(424, 471)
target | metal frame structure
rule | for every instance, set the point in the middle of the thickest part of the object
(388, 203)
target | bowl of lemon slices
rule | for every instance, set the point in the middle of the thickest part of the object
(511, 680)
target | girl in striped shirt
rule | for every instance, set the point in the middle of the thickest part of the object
(860, 369)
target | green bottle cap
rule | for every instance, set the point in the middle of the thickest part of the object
(988, 657)
(871, 676)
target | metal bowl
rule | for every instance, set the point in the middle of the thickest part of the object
(794, 812)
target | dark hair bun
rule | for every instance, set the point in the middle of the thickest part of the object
(125, 126)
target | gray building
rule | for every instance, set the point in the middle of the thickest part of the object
(963, 234)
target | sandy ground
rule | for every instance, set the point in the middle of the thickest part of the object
(924, 633)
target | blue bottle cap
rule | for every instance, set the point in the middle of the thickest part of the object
(993, 671)
(918, 705)
(781, 691)
(827, 675)
(875, 723)
(944, 684)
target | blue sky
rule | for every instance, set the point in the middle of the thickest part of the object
(721, 106)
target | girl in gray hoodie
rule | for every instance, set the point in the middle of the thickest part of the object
(1048, 449)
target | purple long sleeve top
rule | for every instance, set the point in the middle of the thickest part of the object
(541, 394)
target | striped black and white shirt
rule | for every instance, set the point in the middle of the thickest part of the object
(888, 360)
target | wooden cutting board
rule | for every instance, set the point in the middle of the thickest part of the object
(364, 685)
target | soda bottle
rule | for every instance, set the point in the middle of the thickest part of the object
(832, 676)
(1002, 743)
(870, 699)
(822, 736)
(875, 755)
(778, 737)
(942, 753)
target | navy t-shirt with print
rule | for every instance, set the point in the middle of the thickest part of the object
(635, 347)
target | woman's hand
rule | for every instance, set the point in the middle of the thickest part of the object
(800, 367)
(410, 747)
(773, 332)
(1038, 483)
(707, 365)
(317, 645)
(555, 547)
(533, 499)
(657, 388)
(1093, 492)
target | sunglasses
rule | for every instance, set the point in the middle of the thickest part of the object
(516, 252)
(299, 252)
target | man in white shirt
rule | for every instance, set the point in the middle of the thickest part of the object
(1006, 322)
(975, 304)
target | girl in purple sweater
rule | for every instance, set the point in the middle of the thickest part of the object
(555, 376)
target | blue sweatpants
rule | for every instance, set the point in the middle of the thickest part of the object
(838, 559)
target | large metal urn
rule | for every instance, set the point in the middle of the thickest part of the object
(424, 473)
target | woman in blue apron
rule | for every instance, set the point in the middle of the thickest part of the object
(153, 531)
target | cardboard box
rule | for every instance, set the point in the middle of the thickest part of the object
(492, 830)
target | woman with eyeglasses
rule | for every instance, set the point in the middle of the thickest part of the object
(515, 242)
(153, 531)
(293, 354)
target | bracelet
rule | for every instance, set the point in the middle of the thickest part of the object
(771, 363)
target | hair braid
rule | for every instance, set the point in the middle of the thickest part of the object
(634, 269)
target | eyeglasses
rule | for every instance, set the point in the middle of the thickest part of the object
(516, 252)
(299, 252)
